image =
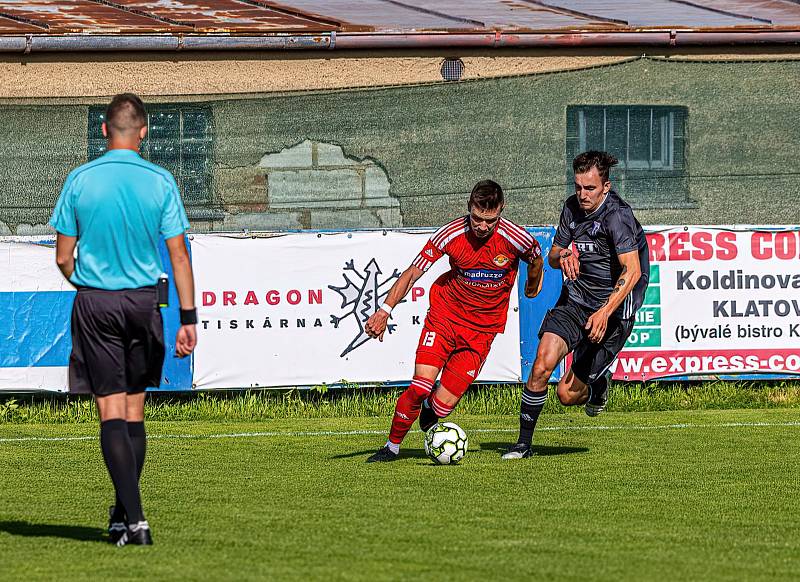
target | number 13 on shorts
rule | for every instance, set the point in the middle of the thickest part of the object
(429, 338)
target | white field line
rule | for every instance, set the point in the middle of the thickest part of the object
(337, 433)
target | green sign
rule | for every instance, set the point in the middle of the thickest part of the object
(655, 274)
(648, 316)
(653, 295)
(644, 337)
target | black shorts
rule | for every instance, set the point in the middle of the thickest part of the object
(117, 341)
(589, 360)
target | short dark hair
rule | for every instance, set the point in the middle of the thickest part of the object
(486, 195)
(603, 161)
(125, 113)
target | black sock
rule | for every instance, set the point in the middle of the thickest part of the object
(139, 441)
(427, 417)
(598, 386)
(118, 516)
(121, 463)
(529, 410)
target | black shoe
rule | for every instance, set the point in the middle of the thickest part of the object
(383, 455)
(116, 529)
(427, 417)
(518, 451)
(138, 534)
(598, 395)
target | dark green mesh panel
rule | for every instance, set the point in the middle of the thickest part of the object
(179, 138)
(409, 155)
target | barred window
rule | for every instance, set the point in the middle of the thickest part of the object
(179, 138)
(650, 143)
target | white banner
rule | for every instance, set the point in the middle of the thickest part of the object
(721, 301)
(35, 302)
(289, 310)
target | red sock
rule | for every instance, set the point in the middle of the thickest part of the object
(441, 409)
(407, 409)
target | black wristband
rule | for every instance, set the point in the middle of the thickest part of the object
(189, 316)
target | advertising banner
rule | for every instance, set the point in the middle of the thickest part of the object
(721, 302)
(35, 308)
(35, 305)
(289, 310)
(532, 311)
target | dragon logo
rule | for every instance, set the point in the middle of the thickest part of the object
(362, 294)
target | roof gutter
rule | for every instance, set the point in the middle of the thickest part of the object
(359, 41)
(572, 39)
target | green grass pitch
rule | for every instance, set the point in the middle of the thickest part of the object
(689, 495)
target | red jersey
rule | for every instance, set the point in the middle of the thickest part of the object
(476, 290)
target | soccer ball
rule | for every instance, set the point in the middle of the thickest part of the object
(446, 443)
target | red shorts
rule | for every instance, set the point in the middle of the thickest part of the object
(459, 351)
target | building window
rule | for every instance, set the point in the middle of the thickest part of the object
(650, 143)
(179, 138)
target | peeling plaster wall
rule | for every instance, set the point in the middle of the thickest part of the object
(312, 185)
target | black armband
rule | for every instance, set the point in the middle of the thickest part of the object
(189, 316)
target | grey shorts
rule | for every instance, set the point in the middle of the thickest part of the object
(567, 320)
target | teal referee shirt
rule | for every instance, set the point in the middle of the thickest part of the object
(117, 205)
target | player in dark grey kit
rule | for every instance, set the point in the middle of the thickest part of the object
(605, 278)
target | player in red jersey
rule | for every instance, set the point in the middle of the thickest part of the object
(468, 307)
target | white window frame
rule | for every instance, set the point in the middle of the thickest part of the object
(667, 139)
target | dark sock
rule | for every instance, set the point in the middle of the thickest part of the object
(529, 410)
(118, 516)
(598, 386)
(427, 417)
(139, 441)
(121, 463)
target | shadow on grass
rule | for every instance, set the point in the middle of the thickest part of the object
(538, 450)
(404, 454)
(49, 530)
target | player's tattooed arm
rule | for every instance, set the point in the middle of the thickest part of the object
(620, 282)
(564, 259)
(554, 256)
(376, 324)
(597, 323)
(533, 285)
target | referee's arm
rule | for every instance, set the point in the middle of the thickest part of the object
(65, 254)
(186, 340)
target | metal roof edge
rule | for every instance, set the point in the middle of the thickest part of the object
(360, 41)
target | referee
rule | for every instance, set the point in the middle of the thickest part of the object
(113, 210)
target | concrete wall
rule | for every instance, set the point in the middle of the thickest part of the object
(79, 76)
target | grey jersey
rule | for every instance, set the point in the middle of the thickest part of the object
(600, 237)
